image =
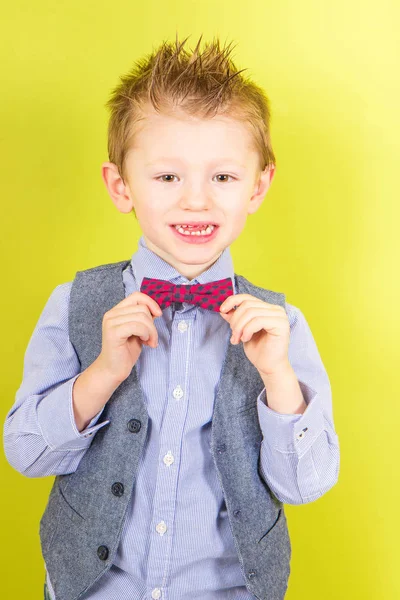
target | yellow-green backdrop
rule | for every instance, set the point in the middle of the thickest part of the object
(325, 234)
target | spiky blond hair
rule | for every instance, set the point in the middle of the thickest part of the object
(203, 84)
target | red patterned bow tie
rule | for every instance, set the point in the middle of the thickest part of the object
(206, 295)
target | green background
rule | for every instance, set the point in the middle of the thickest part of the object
(326, 234)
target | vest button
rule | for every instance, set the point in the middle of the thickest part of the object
(251, 574)
(134, 425)
(221, 448)
(102, 552)
(236, 513)
(117, 488)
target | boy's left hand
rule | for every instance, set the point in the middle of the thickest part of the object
(263, 328)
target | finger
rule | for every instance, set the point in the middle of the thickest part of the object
(240, 324)
(140, 318)
(234, 300)
(270, 325)
(244, 311)
(131, 315)
(140, 298)
(130, 310)
(239, 299)
(255, 325)
(138, 329)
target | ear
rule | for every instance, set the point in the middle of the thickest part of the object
(117, 189)
(262, 186)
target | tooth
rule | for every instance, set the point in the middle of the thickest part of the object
(186, 231)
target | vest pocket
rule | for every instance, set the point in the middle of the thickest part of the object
(57, 518)
(278, 521)
(48, 522)
(69, 510)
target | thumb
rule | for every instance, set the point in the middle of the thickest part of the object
(226, 316)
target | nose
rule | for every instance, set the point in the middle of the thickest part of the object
(195, 198)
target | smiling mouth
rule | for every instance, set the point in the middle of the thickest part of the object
(195, 230)
(195, 235)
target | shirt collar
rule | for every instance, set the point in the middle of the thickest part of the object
(146, 263)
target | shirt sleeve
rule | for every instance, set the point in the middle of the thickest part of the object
(40, 433)
(300, 455)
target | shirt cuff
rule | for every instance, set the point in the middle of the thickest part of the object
(57, 423)
(291, 432)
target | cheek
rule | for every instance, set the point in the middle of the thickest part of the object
(150, 208)
(239, 225)
(238, 217)
(148, 219)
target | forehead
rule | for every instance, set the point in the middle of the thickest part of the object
(176, 133)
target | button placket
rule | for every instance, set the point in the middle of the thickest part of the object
(168, 467)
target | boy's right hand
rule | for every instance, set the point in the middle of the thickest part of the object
(126, 327)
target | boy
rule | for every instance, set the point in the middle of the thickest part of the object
(175, 445)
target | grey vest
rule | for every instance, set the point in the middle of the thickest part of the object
(84, 517)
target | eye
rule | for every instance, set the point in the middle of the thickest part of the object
(167, 175)
(224, 175)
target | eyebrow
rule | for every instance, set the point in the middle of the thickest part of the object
(230, 161)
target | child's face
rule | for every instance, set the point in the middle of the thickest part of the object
(183, 169)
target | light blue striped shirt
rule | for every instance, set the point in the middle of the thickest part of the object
(176, 542)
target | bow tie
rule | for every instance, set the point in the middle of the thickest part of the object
(206, 295)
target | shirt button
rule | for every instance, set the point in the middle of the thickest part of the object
(301, 434)
(182, 326)
(168, 458)
(161, 528)
(156, 593)
(178, 392)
